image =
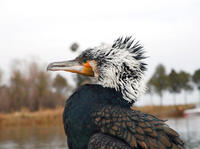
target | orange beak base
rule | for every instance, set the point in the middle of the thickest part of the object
(72, 66)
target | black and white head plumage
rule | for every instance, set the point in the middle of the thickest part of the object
(120, 66)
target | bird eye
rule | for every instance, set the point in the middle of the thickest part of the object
(84, 60)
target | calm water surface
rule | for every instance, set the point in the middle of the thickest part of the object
(33, 138)
(54, 137)
(189, 130)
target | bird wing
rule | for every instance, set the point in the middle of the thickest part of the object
(103, 141)
(136, 129)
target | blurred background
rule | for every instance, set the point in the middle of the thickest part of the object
(35, 33)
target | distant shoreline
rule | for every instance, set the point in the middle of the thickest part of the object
(53, 117)
(48, 117)
(166, 111)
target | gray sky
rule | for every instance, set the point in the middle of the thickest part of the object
(168, 29)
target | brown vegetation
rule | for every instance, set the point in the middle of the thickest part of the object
(165, 111)
(54, 116)
(26, 118)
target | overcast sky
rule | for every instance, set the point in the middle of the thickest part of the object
(169, 30)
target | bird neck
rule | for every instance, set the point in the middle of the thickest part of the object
(97, 94)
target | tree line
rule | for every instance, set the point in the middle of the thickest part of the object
(32, 91)
(174, 82)
(33, 88)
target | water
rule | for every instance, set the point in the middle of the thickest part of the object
(189, 130)
(33, 138)
(54, 137)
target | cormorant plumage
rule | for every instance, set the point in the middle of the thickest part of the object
(98, 116)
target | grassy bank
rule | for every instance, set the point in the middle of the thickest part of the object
(54, 117)
(166, 111)
(26, 118)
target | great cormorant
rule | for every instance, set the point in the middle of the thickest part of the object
(98, 116)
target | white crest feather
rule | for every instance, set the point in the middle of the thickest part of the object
(120, 67)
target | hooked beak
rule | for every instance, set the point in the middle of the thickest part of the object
(72, 66)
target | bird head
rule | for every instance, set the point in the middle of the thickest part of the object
(118, 66)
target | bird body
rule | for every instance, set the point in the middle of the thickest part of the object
(78, 122)
(94, 114)
(99, 116)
